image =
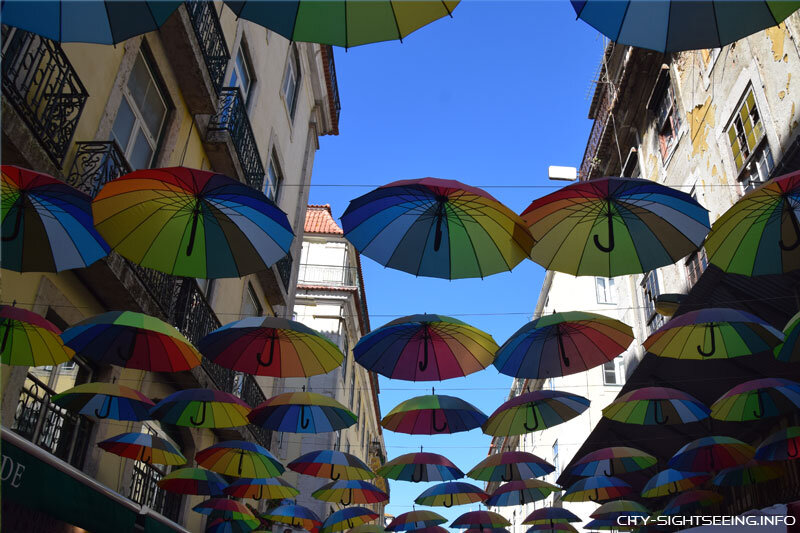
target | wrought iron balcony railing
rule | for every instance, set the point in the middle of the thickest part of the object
(144, 490)
(95, 164)
(335, 276)
(336, 104)
(590, 160)
(251, 393)
(284, 266)
(209, 34)
(41, 84)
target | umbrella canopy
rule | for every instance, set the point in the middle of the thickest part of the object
(240, 459)
(756, 399)
(223, 508)
(420, 466)
(781, 446)
(415, 520)
(437, 228)
(331, 464)
(750, 473)
(604, 524)
(544, 528)
(302, 412)
(534, 411)
(191, 223)
(550, 515)
(132, 340)
(760, 234)
(27, 339)
(596, 489)
(510, 466)
(789, 351)
(521, 492)
(191, 480)
(261, 489)
(480, 520)
(717, 333)
(667, 303)
(143, 447)
(450, 494)
(612, 461)
(367, 528)
(614, 226)
(671, 481)
(105, 400)
(711, 454)
(243, 525)
(46, 224)
(294, 515)
(348, 518)
(561, 344)
(474, 530)
(425, 348)
(620, 508)
(690, 501)
(202, 408)
(433, 414)
(656, 406)
(348, 492)
(271, 346)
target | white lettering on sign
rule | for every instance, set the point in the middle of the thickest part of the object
(12, 471)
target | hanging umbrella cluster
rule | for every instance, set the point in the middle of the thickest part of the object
(143, 447)
(415, 520)
(534, 411)
(670, 481)
(105, 400)
(202, 408)
(348, 518)
(510, 466)
(450, 494)
(521, 492)
(612, 461)
(433, 414)
(302, 412)
(420, 466)
(192, 480)
(656, 406)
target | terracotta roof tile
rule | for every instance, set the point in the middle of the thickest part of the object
(320, 220)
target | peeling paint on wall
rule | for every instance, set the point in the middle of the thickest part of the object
(652, 162)
(776, 34)
(701, 119)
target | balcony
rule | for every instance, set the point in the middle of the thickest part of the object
(591, 163)
(95, 164)
(145, 491)
(328, 276)
(333, 87)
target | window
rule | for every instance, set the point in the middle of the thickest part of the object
(274, 179)
(352, 386)
(206, 287)
(669, 124)
(251, 306)
(557, 471)
(241, 76)
(345, 351)
(650, 292)
(606, 290)
(141, 116)
(614, 371)
(696, 264)
(291, 81)
(751, 153)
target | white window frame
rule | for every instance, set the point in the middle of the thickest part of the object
(236, 72)
(292, 74)
(606, 290)
(274, 177)
(619, 371)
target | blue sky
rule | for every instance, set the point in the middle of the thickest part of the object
(490, 97)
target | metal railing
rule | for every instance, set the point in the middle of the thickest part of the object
(598, 127)
(284, 266)
(41, 84)
(232, 117)
(337, 105)
(209, 35)
(95, 164)
(336, 276)
(253, 396)
(144, 490)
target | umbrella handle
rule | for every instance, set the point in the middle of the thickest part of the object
(260, 493)
(241, 457)
(795, 226)
(125, 358)
(660, 420)
(596, 497)
(338, 474)
(760, 412)
(195, 216)
(425, 337)
(610, 247)
(436, 428)
(145, 460)
(349, 500)
(273, 337)
(304, 422)
(437, 238)
(674, 489)
(414, 478)
(561, 349)
(535, 419)
(6, 333)
(794, 445)
(17, 219)
(610, 470)
(349, 523)
(507, 474)
(202, 420)
(451, 502)
(709, 353)
(106, 408)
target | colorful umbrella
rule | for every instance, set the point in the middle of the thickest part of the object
(789, 350)
(561, 344)
(432, 529)
(143, 447)
(202, 408)
(46, 224)
(618, 508)
(612, 461)
(550, 515)
(331, 464)
(437, 228)
(191, 223)
(781, 446)
(596, 489)
(711, 454)
(756, 399)
(474, 530)
(302, 412)
(510, 466)
(261, 489)
(240, 459)
(421, 466)
(433, 414)
(656, 406)
(667, 303)
(614, 226)
(271, 346)
(606, 524)
(30, 340)
(750, 473)
(521, 492)
(191, 480)
(242, 525)
(717, 333)
(760, 234)
(354, 491)
(480, 520)
(690, 501)
(294, 515)
(347, 518)
(425, 348)
(534, 411)
(671, 481)
(223, 508)
(545, 528)
(132, 340)
(367, 528)
(105, 400)
(450, 494)
(415, 520)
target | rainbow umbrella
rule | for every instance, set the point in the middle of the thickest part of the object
(668, 303)
(241, 525)
(561, 344)
(223, 508)
(331, 464)
(294, 515)
(760, 234)
(46, 224)
(367, 528)
(202, 408)
(521, 492)
(596, 489)
(261, 489)
(271, 346)
(611, 461)
(711, 454)
(415, 520)
(432, 529)
(433, 414)
(425, 348)
(716, 333)
(551, 516)
(670, 481)
(781, 446)
(437, 228)
(105, 400)
(356, 490)
(191, 223)
(656, 406)
(480, 520)
(544, 528)
(132, 340)
(475, 530)
(691, 501)
(191, 480)
(450, 494)
(756, 399)
(349, 518)
(239, 458)
(510, 466)
(302, 412)
(614, 226)
(618, 508)
(420, 466)
(143, 447)
(750, 473)
(534, 411)
(30, 340)
(604, 524)
(789, 350)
